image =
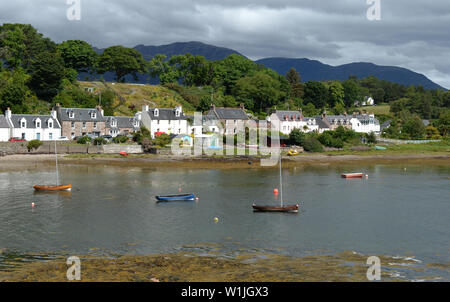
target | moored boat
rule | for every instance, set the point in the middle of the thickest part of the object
(53, 188)
(284, 208)
(352, 175)
(124, 154)
(180, 197)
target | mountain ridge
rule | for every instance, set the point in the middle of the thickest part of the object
(310, 70)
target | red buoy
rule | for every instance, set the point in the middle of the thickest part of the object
(275, 191)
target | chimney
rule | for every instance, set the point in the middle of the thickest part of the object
(213, 107)
(324, 114)
(54, 114)
(8, 113)
(242, 106)
(99, 108)
(145, 108)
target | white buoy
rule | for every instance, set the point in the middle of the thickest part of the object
(367, 176)
(32, 204)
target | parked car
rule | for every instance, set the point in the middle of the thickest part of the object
(63, 138)
(107, 137)
(17, 139)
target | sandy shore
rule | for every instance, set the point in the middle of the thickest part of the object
(37, 160)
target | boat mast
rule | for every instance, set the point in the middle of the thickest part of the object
(57, 174)
(281, 183)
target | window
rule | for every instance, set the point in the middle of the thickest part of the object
(72, 134)
(50, 136)
(93, 115)
(38, 124)
(50, 124)
(169, 122)
(84, 125)
(95, 125)
(156, 112)
(71, 114)
(23, 135)
(179, 130)
(73, 125)
(157, 122)
(23, 124)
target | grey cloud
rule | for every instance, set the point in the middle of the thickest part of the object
(412, 33)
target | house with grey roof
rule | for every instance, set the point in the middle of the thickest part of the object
(164, 120)
(34, 126)
(290, 120)
(121, 125)
(232, 119)
(334, 121)
(81, 121)
(5, 129)
(365, 123)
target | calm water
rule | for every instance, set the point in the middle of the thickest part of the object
(394, 212)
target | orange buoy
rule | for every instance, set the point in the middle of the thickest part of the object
(275, 191)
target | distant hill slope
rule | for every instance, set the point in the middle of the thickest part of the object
(210, 52)
(311, 70)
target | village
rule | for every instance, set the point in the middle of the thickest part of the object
(68, 124)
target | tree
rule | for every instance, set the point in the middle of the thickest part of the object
(47, 73)
(350, 92)
(122, 61)
(13, 90)
(414, 128)
(261, 88)
(229, 70)
(78, 55)
(316, 93)
(164, 69)
(432, 133)
(337, 94)
(294, 80)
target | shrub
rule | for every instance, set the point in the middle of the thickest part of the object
(100, 141)
(84, 140)
(297, 137)
(371, 138)
(121, 139)
(328, 140)
(312, 145)
(162, 140)
(147, 144)
(34, 144)
(139, 135)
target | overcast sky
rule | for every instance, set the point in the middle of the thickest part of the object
(411, 33)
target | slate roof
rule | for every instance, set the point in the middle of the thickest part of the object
(31, 118)
(229, 113)
(123, 122)
(322, 123)
(366, 117)
(291, 115)
(386, 124)
(80, 114)
(4, 122)
(165, 114)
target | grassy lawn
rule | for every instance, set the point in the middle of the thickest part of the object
(380, 109)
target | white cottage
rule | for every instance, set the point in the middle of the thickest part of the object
(290, 120)
(31, 126)
(365, 123)
(164, 120)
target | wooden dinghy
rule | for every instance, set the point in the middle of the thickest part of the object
(286, 208)
(352, 175)
(53, 188)
(180, 197)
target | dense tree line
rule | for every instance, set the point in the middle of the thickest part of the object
(36, 72)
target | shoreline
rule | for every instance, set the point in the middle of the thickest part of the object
(346, 266)
(34, 160)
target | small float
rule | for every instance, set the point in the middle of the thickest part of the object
(352, 175)
(293, 153)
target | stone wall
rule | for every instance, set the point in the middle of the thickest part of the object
(8, 148)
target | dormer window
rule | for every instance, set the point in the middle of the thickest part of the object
(136, 123)
(156, 112)
(50, 123)
(71, 114)
(177, 113)
(23, 123)
(113, 123)
(93, 114)
(38, 124)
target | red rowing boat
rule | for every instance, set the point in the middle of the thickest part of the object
(352, 175)
(124, 154)
(53, 188)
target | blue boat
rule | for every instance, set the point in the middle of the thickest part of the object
(181, 197)
(379, 148)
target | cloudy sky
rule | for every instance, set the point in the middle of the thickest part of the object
(411, 33)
